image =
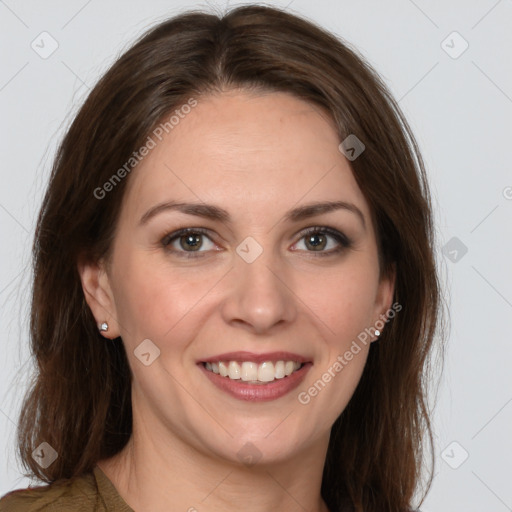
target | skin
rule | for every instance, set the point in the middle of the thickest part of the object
(257, 156)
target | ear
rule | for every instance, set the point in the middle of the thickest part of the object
(384, 298)
(98, 295)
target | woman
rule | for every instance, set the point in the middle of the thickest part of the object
(235, 293)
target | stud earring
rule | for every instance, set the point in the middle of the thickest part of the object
(377, 332)
(104, 327)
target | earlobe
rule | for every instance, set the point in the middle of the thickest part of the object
(99, 297)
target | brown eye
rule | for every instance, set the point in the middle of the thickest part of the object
(192, 242)
(316, 242)
(323, 240)
(187, 241)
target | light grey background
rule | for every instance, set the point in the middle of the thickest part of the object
(461, 112)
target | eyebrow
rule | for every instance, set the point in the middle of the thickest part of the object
(209, 211)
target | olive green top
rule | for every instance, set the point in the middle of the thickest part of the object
(92, 492)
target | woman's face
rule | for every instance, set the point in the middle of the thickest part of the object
(252, 290)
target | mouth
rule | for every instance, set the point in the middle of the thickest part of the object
(256, 377)
(254, 373)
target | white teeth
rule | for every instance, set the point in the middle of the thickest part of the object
(288, 368)
(279, 368)
(249, 371)
(266, 372)
(223, 369)
(234, 370)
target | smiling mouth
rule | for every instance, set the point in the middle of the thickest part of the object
(254, 373)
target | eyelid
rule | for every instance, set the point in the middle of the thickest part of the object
(338, 235)
(343, 241)
(168, 238)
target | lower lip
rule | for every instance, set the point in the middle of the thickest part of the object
(258, 392)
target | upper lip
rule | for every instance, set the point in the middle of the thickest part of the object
(256, 358)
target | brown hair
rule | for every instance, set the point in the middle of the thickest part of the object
(80, 400)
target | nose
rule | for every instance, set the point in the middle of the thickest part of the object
(260, 295)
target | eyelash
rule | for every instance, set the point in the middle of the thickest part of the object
(343, 241)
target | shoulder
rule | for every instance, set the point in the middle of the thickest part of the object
(77, 494)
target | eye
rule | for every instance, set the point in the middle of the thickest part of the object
(194, 242)
(187, 241)
(323, 240)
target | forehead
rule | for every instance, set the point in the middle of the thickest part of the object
(259, 150)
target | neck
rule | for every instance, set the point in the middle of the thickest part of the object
(156, 471)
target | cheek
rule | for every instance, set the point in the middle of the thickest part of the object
(151, 300)
(343, 297)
